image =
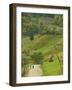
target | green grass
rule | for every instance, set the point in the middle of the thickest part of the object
(41, 44)
(41, 39)
(51, 68)
(51, 42)
(47, 45)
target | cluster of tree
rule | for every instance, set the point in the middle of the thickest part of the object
(30, 56)
(33, 24)
(37, 57)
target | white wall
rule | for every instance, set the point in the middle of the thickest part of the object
(4, 45)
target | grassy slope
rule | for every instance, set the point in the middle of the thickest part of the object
(46, 44)
(51, 42)
(51, 68)
(41, 43)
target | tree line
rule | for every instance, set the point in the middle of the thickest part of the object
(33, 24)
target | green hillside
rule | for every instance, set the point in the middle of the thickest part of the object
(42, 43)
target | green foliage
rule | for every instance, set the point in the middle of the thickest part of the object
(42, 42)
(33, 24)
(31, 37)
(37, 57)
(58, 20)
(25, 59)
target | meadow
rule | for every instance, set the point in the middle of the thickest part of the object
(42, 44)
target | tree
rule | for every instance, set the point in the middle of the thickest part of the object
(51, 58)
(37, 57)
(58, 20)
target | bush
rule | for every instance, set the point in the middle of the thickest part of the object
(37, 57)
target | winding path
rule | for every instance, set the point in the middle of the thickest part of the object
(35, 70)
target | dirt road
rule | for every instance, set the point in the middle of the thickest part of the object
(35, 70)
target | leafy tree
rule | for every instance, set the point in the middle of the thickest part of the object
(33, 24)
(37, 57)
(58, 20)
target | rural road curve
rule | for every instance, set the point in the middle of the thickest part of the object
(35, 70)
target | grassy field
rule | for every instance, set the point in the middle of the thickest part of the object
(48, 45)
(42, 43)
(51, 68)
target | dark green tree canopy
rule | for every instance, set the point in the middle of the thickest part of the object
(33, 23)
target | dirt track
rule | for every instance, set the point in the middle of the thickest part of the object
(35, 70)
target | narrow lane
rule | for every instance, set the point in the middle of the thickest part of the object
(35, 70)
